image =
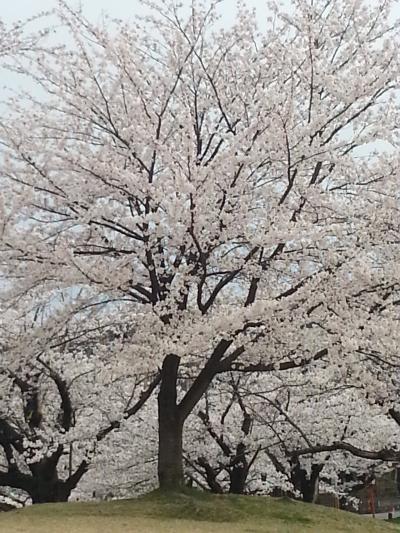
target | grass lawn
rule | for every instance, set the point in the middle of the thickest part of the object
(194, 512)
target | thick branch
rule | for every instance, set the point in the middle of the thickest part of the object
(270, 367)
(203, 380)
(380, 455)
(73, 480)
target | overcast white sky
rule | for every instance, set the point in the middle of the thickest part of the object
(12, 10)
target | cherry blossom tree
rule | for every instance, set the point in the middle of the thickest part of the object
(223, 445)
(221, 190)
(124, 467)
(255, 427)
(60, 399)
(301, 413)
(383, 446)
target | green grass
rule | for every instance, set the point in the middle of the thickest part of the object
(192, 512)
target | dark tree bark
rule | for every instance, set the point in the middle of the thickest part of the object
(170, 467)
(306, 485)
(240, 466)
(48, 492)
(238, 477)
(43, 484)
(210, 475)
(170, 428)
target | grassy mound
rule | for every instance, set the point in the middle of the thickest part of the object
(191, 512)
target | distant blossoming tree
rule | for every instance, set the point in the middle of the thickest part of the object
(62, 393)
(247, 432)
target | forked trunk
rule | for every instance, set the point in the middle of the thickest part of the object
(307, 485)
(46, 486)
(50, 493)
(171, 416)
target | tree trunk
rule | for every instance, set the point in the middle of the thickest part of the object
(46, 485)
(49, 492)
(310, 489)
(170, 467)
(171, 416)
(170, 429)
(238, 477)
(307, 486)
(239, 470)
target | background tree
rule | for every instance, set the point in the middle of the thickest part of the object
(313, 408)
(222, 444)
(255, 425)
(60, 398)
